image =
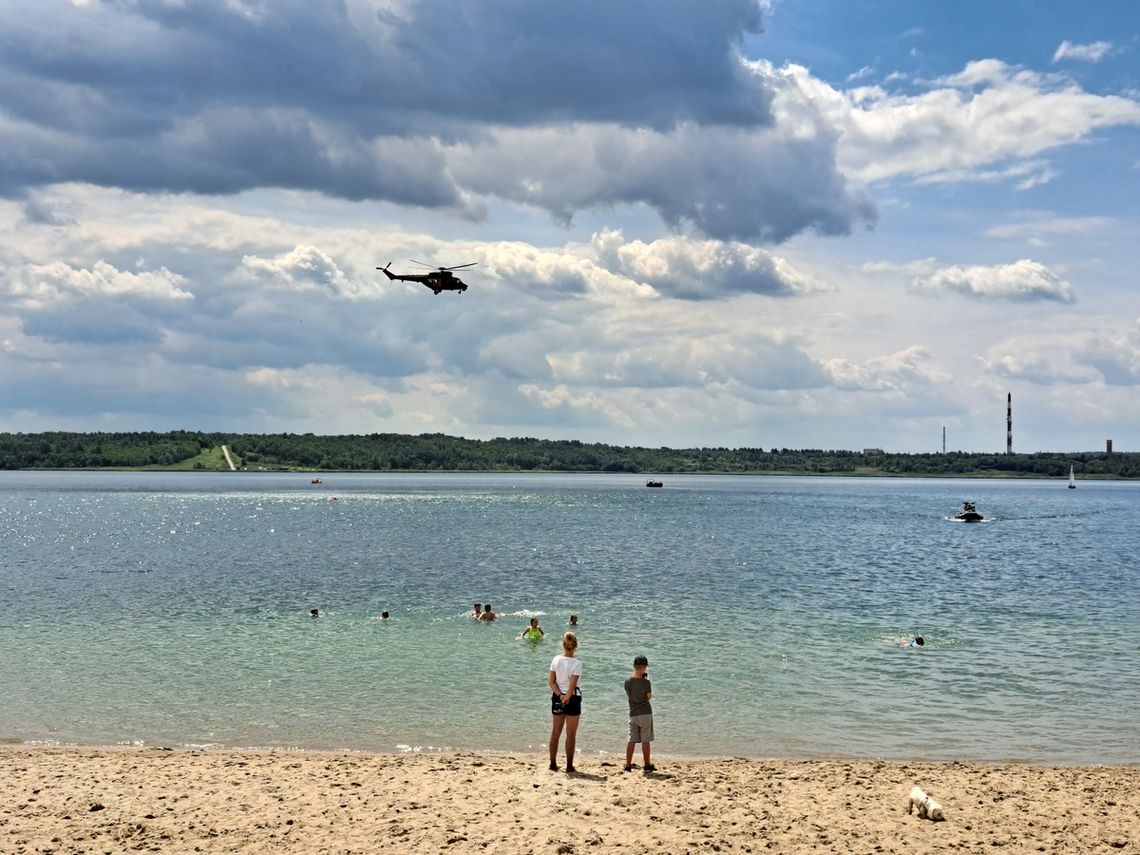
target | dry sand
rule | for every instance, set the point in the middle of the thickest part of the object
(157, 800)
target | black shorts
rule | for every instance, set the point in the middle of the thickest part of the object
(572, 707)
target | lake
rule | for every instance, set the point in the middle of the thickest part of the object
(173, 609)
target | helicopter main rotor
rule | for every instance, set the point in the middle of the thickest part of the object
(444, 269)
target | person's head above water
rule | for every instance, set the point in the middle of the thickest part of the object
(919, 640)
(573, 620)
(314, 613)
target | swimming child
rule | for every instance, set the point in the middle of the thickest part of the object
(533, 632)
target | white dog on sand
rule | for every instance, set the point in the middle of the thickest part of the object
(928, 808)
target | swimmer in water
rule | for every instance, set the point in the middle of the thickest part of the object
(917, 641)
(534, 632)
(573, 620)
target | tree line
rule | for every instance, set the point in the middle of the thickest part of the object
(386, 452)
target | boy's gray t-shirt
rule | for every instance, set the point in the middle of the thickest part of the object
(637, 689)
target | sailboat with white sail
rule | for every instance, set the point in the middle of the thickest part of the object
(1072, 479)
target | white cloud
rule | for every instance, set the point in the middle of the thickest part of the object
(699, 270)
(1022, 280)
(1109, 356)
(921, 267)
(561, 399)
(1050, 226)
(41, 284)
(757, 185)
(307, 268)
(976, 124)
(1091, 52)
(894, 373)
(1026, 174)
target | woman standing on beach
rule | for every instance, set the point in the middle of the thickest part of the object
(565, 700)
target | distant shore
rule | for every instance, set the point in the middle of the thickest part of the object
(69, 800)
(200, 451)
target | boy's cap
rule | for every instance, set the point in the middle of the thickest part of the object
(640, 662)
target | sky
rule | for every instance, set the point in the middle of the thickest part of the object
(741, 223)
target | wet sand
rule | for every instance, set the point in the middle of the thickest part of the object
(67, 800)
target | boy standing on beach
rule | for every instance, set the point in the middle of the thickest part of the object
(639, 692)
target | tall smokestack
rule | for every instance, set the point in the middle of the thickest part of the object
(1009, 423)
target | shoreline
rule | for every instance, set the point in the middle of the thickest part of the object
(80, 799)
(586, 756)
(635, 476)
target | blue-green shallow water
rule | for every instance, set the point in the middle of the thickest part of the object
(173, 609)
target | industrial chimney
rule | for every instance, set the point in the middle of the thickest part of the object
(1009, 423)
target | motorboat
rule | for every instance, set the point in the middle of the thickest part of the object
(652, 483)
(968, 513)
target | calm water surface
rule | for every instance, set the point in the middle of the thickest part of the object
(172, 609)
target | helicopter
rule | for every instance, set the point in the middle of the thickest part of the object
(439, 279)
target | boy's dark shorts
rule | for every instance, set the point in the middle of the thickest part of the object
(572, 707)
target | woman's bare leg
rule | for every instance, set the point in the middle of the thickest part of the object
(571, 738)
(555, 734)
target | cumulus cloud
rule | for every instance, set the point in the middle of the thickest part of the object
(1091, 52)
(760, 362)
(979, 122)
(727, 183)
(1109, 356)
(41, 284)
(39, 211)
(565, 108)
(561, 400)
(1022, 280)
(562, 107)
(100, 304)
(305, 268)
(699, 270)
(892, 373)
(1115, 355)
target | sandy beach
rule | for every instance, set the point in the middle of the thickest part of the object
(65, 800)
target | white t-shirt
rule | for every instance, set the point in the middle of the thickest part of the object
(565, 667)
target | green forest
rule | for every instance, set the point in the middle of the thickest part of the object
(385, 452)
